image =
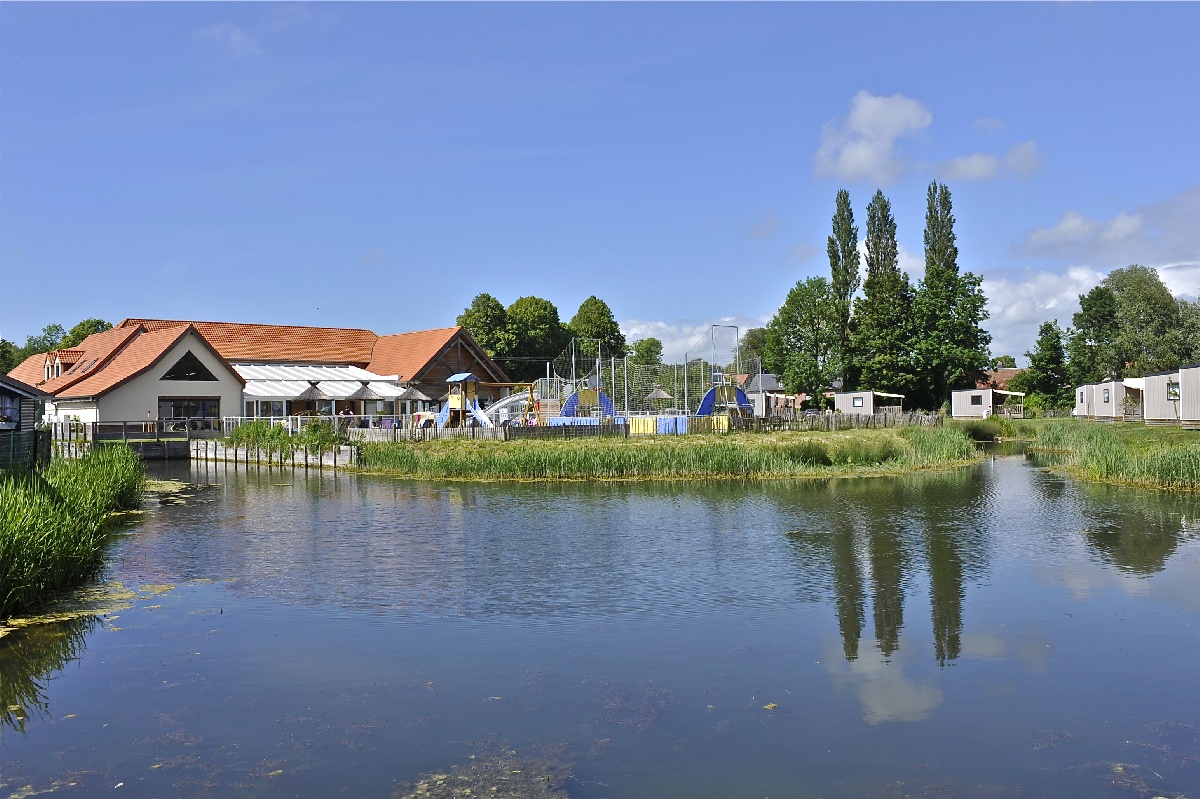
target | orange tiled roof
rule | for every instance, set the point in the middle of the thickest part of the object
(30, 371)
(93, 353)
(143, 352)
(407, 354)
(235, 341)
(998, 378)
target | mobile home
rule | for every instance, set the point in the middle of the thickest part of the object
(980, 403)
(867, 402)
(1162, 398)
(1119, 400)
(1085, 401)
(1189, 396)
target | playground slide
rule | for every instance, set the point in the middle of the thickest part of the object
(519, 400)
(480, 416)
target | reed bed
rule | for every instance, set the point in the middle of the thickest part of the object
(1101, 453)
(261, 434)
(777, 455)
(53, 522)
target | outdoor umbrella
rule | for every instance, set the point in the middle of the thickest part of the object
(413, 394)
(658, 394)
(364, 392)
(311, 394)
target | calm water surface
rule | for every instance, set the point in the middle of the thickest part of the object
(999, 631)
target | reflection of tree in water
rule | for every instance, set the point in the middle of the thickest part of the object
(850, 591)
(889, 563)
(879, 527)
(28, 658)
(1142, 532)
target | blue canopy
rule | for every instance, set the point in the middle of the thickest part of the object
(462, 377)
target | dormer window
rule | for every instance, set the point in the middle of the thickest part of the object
(48, 372)
(57, 367)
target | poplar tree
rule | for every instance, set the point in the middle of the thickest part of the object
(844, 282)
(883, 314)
(950, 347)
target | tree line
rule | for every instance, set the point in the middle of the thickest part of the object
(1127, 326)
(921, 341)
(524, 336)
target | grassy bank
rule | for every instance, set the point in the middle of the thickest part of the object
(53, 522)
(1126, 454)
(774, 455)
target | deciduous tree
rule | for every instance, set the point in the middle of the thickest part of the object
(594, 320)
(646, 351)
(487, 322)
(802, 336)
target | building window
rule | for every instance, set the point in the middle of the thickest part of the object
(1106, 396)
(976, 399)
(189, 368)
(189, 407)
(857, 402)
(1172, 391)
(10, 408)
(1080, 396)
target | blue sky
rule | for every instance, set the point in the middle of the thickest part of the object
(378, 165)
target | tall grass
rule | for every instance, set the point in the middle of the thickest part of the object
(1099, 452)
(694, 456)
(261, 434)
(52, 522)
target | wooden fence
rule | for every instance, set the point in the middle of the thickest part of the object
(827, 422)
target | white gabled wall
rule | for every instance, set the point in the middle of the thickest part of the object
(132, 400)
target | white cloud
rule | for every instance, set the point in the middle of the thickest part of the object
(980, 166)
(880, 686)
(989, 124)
(1018, 307)
(863, 145)
(680, 336)
(231, 38)
(1023, 159)
(1162, 234)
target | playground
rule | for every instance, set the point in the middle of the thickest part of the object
(586, 386)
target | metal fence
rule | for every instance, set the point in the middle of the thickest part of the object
(24, 448)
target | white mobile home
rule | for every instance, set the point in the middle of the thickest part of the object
(980, 403)
(1162, 398)
(1189, 396)
(1119, 400)
(1085, 401)
(867, 402)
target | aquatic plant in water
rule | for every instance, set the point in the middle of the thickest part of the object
(53, 522)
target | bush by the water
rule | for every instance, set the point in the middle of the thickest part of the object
(669, 457)
(993, 427)
(263, 435)
(52, 522)
(1099, 452)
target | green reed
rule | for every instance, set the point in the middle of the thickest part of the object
(1106, 453)
(669, 457)
(52, 522)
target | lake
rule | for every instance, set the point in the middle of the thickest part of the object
(996, 631)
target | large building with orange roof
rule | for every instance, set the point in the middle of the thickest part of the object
(173, 369)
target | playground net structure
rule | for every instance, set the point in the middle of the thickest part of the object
(585, 380)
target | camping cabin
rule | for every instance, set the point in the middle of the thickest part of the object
(1085, 401)
(980, 403)
(867, 402)
(1162, 398)
(18, 420)
(1189, 396)
(1119, 400)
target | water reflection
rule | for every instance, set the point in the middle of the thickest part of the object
(29, 658)
(884, 533)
